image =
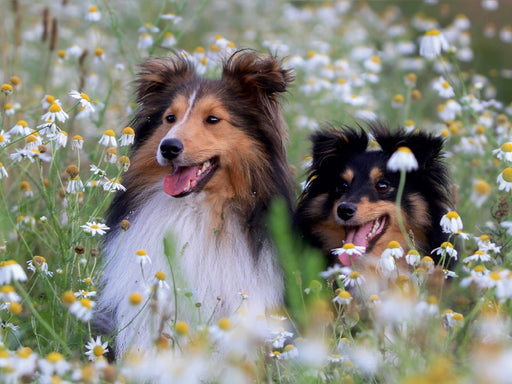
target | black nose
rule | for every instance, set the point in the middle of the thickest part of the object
(171, 148)
(346, 211)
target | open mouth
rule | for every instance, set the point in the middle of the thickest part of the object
(187, 179)
(362, 236)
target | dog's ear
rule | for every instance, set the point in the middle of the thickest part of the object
(158, 74)
(332, 146)
(257, 75)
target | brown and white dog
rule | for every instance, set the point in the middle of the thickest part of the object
(209, 157)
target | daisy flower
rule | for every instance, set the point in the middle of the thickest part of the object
(348, 253)
(60, 139)
(7, 293)
(432, 44)
(95, 349)
(77, 142)
(108, 139)
(394, 250)
(6, 88)
(505, 180)
(480, 192)
(413, 257)
(93, 14)
(402, 158)
(443, 88)
(75, 185)
(160, 280)
(5, 138)
(386, 264)
(55, 112)
(10, 271)
(54, 363)
(451, 222)
(39, 263)
(49, 128)
(343, 297)
(82, 309)
(446, 248)
(3, 172)
(169, 40)
(110, 155)
(83, 99)
(127, 136)
(83, 294)
(504, 152)
(479, 255)
(113, 185)
(95, 228)
(145, 41)
(32, 141)
(20, 128)
(354, 279)
(142, 257)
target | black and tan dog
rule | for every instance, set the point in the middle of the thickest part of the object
(350, 195)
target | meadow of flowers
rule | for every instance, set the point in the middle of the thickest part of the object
(66, 102)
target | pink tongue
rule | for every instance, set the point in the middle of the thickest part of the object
(175, 184)
(356, 236)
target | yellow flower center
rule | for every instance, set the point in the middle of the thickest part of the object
(404, 150)
(128, 131)
(85, 96)
(398, 98)
(98, 351)
(506, 147)
(7, 88)
(24, 353)
(54, 357)
(15, 80)
(452, 215)
(141, 252)
(98, 52)
(61, 53)
(160, 275)
(479, 268)
(458, 317)
(93, 9)
(23, 123)
(135, 298)
(348, 246)
(95, 226)
(77, 138)
(394, 244)
(54, 108)
(344, 295)
(495, 276)
(413, 252)
(482, 187)
(485, 238)
(181, 328)
(433, 32)
(427, 259)
(375, 59)
(110, 133)
(447, 244)
(355, 275)
(224, 324)
(86, 303)
(445, 85)
(7, 289)
(432, 300)
(507, 175)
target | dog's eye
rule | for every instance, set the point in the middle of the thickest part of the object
(382, 186)
(343, 187)
(170, 119)
(212, 119)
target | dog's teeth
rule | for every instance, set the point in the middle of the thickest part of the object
(206, 165)
(187, 187)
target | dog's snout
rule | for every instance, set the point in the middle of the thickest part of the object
(171, 148)
(346, 211)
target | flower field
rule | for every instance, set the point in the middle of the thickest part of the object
(66, 102)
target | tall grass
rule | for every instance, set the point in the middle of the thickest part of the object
(351, 62)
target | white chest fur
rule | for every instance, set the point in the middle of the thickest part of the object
(210, 263)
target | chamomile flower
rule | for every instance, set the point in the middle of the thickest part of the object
(83, 99)
(7, 293)
(84, 294)
(33, 141)
(48, 128)
(6, 88)
(54, 363)
(108, 139)
(348, 253)
(95, 349)
(110, 155)
(480, 191)
(145, 41)
(5, 138)
(394, 250)
(142, 257)
(38, 263)
(342, 297)
(3, 172)
(159, 280)
(95, 228)
(93, 14)
(11, 271)
(446, 248)
(21, 128)
(60, 139)
(55, 112)
(171, 16)
(386, 264)
(451, 222)
(478, 256)
(485, 244)
(432, 44)
(413, 258)
(354, 279)
(75, 185)
(123, 162)
(402, 159)
(77, 142)
(505, 180)
(169, 40)
(82, 309)
(127, 136)
(443, 88)
(504, 152)
(113, 185)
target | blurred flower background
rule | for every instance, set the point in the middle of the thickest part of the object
(66, 102)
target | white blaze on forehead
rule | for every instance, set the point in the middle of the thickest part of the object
(161, 160)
